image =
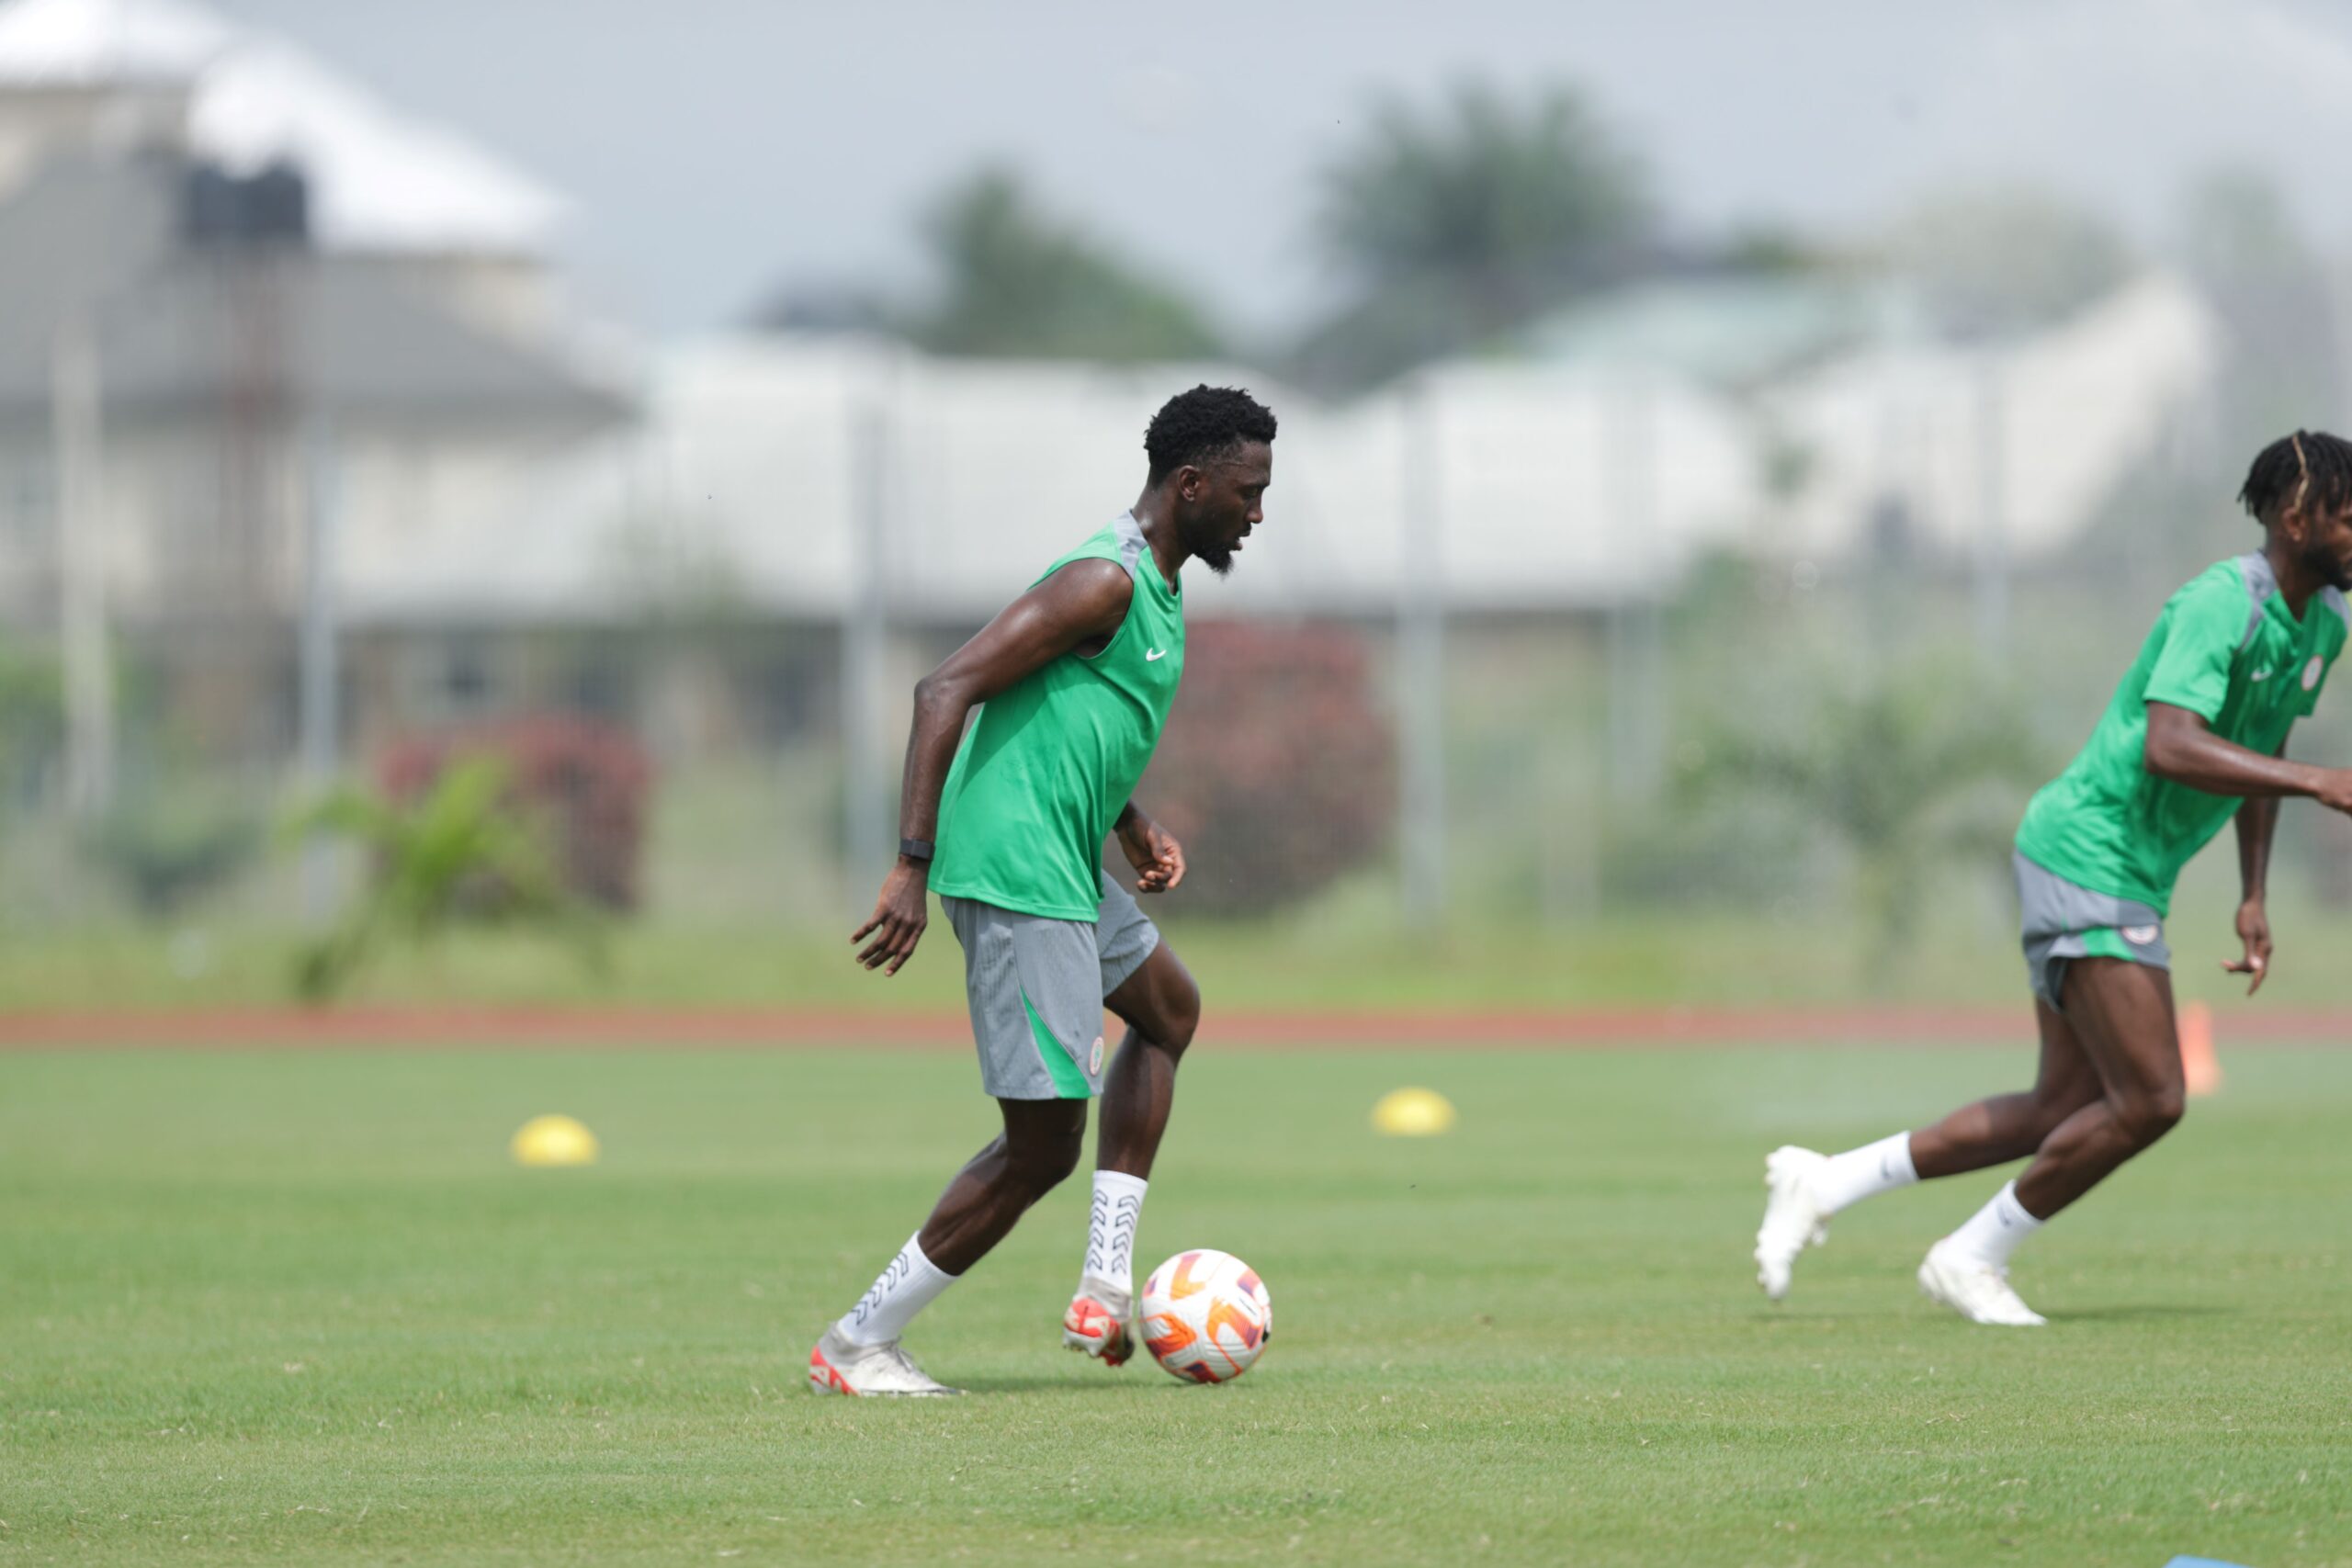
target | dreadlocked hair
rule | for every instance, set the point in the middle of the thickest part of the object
(2310, 468)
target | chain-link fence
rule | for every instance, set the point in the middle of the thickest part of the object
(1517, 645)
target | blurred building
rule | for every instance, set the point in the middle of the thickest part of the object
(773, 471)
(254, 316)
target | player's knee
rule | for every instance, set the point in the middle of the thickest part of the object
(2051, 1112)
(2150, 1115)
(1038, 1164)
(1183, 1011)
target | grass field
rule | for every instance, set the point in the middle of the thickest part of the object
(299, 1309)
(1967, 954)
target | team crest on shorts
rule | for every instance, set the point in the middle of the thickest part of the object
(2312, 674)
(1094, 1059)
(2140, 936)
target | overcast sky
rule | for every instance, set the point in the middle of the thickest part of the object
(713, 147)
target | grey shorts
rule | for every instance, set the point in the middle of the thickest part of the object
(2065, 921)
(1036, 986)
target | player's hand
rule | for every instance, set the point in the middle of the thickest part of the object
(2335, 791)
(899, 916)
(2254, 930)
(1157, 858)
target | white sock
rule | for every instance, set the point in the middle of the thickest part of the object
(1995, 1230)
(912, 1283)
(1866, 1172)
(1111, 1233)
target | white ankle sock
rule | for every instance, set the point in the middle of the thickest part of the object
(1995, 1230)
(1866, 1172)
(1111, 1232)
(912, 1283)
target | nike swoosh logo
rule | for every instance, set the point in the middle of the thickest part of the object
(2262, 674)
(1155, 653)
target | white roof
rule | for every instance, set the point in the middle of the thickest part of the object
(2038, 432)
(381, 180)
(745, 477)
(88, 43)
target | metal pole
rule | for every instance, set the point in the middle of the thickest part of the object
(868, 835)
(1421, 652)
(78, 430)
(318, 718)
(1636, 640)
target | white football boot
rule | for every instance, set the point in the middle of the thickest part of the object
(1794, 1217)
(1096, 1322)
(1976, 1289)
(838, 1366)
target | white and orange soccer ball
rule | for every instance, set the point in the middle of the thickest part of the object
(1205, 1315)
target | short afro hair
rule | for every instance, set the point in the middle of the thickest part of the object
(2310, 467)
(1202, 425)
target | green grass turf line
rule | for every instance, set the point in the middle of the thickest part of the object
(293, 1309)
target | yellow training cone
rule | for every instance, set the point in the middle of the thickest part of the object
(1413, 1113)
(553, 1140)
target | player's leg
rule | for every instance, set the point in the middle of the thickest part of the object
(1161, 1005)
(1807, 1187)
(2011, 1126)
(1036, 1019)
(1148, 990)
(2121, 1011)
(1040, 1145)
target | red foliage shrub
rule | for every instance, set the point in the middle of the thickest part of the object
(588, 782)
(1278, 769)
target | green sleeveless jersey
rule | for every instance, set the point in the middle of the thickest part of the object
(2226, 648)
(1048, 765)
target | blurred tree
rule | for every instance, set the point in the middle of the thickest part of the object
(460, 854)
(176, 838)
(1916, 766)
(32, 719)
(1774, 248)
(1278, 770)
(1456, 226)
(824, 308)
(586, 782)
(1998, 260)
(1016, 281)
(2243, 246)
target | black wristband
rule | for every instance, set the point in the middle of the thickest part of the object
(916, 849)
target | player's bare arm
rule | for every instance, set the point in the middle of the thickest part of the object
(1078, 609)
(2257, 822)
(1151, 849)
(2182, 747)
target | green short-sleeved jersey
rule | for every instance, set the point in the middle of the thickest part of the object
(2227, 648)
(1050, 763)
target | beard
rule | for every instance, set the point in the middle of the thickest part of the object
(1210, 549)
(2329, 568)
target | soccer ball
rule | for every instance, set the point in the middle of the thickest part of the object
(1206, 1316)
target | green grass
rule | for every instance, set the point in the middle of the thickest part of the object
(299, 1309)
(1346, 951)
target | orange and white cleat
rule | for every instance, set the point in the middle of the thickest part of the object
(1097, 1323)
(838, 1365)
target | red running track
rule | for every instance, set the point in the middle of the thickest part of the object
(452, 1028)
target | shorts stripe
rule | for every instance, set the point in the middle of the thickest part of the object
(1069, 1082)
